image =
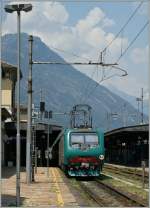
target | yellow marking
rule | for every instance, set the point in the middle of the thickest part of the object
(59, 196)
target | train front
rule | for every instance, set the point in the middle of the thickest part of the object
(84, 150)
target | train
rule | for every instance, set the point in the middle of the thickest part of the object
(81, 152)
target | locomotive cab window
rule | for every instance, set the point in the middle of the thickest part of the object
(91, 140)
(86, 140)
(77, 140)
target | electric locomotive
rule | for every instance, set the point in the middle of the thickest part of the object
(81, 151)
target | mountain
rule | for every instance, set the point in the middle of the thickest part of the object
(131, 99)
(63, 85)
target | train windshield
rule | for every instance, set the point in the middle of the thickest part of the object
(84, 140)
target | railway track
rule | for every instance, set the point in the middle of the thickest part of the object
(107, 196)
(136, 175)
(98, 195)
(137, 201)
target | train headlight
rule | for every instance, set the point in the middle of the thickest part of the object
(101, 157)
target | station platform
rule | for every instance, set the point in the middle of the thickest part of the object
(55, 190)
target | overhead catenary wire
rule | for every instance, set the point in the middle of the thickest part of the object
(97, 84)
(122, 54)
(134, 39)
(123, 27)
(80, 57)
(120, 31)
(100, 59)
(121, 42)
(70, 53)
(106, 78)
(89, 82)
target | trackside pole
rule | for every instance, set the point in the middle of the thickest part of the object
(29, 123)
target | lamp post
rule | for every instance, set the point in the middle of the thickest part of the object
(10, 9)
(29, 123)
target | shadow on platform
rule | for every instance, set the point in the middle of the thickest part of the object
(8, 172)
(10, 201)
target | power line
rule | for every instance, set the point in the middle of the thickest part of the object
(126, 23)
(73, 63)
(70, 53)
(97, 84)
(122, 53)
(106, 78)
(142, 29)
(134, 39)
(101, 60)
(88, 84)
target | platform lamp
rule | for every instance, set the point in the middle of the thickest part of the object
(10, 9)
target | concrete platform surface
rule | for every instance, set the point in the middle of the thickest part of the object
(53, 191)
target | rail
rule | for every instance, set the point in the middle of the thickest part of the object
(120, 197)
(135, 173)
(137, 201)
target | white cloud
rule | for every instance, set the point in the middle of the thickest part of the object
(86, 38)
(94, 17)
(139, 55)
(56, 12)
(42, 18)
(96, 37)
(49, 21)
(108, 22)
(115, 49)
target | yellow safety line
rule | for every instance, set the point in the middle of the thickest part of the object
(58, 173)
(59, 195)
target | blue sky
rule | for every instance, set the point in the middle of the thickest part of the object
(116, 11)
(85, 29)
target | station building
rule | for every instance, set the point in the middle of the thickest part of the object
(9, 78)
(40, 135)
(9, 128)
(127, 145)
